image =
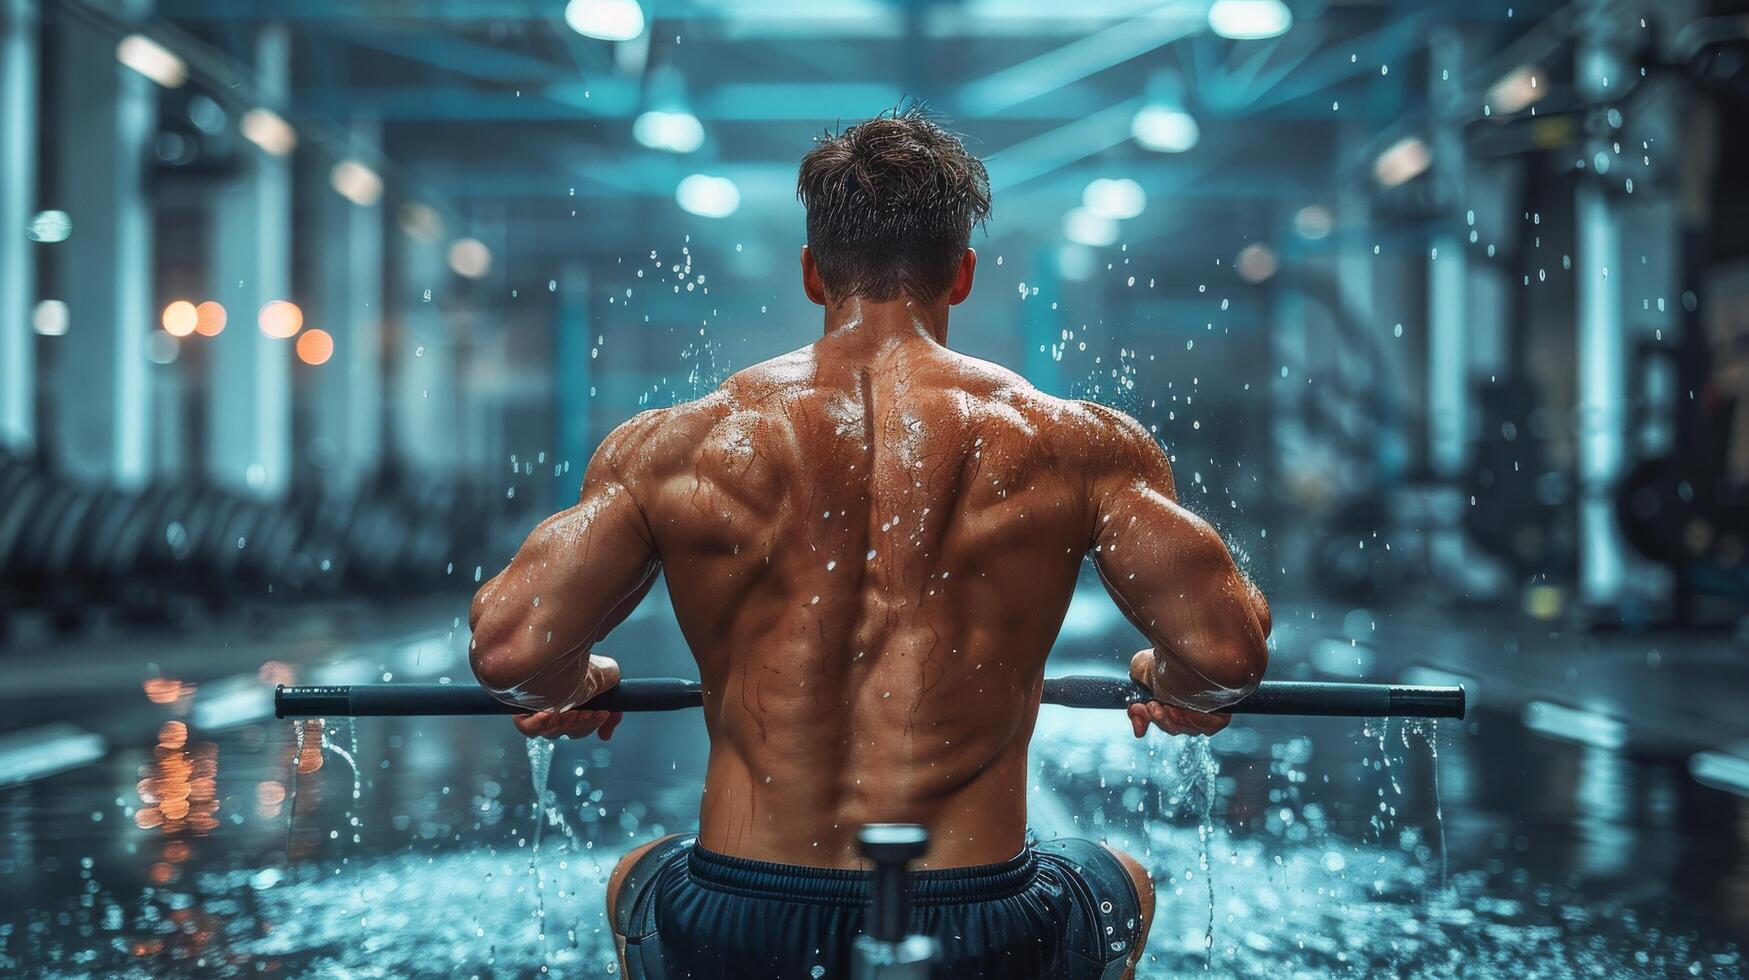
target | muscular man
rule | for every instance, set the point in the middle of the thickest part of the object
(870, 544)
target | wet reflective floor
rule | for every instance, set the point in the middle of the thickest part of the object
(157, 823)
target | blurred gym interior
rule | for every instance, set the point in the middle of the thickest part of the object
(311, 309)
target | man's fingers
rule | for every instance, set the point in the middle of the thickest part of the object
(1158, 713)
(613, 721)
(573, 723)
(1187, 722)
(1173, 720)
(1138, 719)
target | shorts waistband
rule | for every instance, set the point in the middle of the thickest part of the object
(850, 887)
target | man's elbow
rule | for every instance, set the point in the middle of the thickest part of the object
(1248, 664)
(491, 653)
(1238, 669)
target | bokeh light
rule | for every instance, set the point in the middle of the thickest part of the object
(1165, 129)
(180, 318)
(356, 182)
(707, 196)
(470, 257)
(210, 318)
(606, 20)
(281, 319)
(268, 130)
(50, 318)
(315, 346)
(420, 220)
(1256, 262)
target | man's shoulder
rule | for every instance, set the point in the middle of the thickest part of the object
(1073, 418)
(674, 433)
(785, 372)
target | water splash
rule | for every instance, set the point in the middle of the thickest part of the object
(350, 757)
(1428, 731)
(1199, 758)
(546, 810)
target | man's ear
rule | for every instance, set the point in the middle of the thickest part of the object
(811, 283)
(962, 280)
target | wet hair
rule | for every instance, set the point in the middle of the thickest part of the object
(891, 204)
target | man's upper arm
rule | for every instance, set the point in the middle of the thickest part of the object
(1170, 572)
(579, 574)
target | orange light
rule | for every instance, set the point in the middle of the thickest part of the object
(315, 347)
(163, 690)
(180, 318)
(210, 318)
(281, 319)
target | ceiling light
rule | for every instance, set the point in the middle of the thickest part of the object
(1084, 227)
(1120, 198)
(50, 318)
(49, 227)
(152, 60)
(266, 129)
(356, 182)
(1249, 20)
(1407, 159)
(1164, 129)
(708, 197)
(470, 257)
(608, 20)
(675, 132)
(1517, 91)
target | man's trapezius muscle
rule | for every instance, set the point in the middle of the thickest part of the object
(870, 544)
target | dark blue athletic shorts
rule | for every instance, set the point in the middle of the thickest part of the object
(1062, 909)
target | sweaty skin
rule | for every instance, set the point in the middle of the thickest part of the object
(870, 544)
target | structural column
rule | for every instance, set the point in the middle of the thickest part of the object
(1042, 326)
(1448, 318)
(346, 412)
(426, 417)
(573, 381)
(1597, 277)
(19, 37)
(249, 390)
(109, 118)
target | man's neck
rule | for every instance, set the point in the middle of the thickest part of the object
(883, 322)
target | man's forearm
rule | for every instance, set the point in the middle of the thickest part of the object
(1174, 681)
(565, 682)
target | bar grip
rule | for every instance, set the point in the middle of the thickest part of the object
(401, 700)
(1314, 698)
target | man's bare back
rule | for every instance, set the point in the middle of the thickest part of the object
(870, 544)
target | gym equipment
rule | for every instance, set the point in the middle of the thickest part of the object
(674, 694)
(884, 951)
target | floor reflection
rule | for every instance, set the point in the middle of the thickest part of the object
(414, 847)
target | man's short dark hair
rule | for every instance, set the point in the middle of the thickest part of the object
(891, 204)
